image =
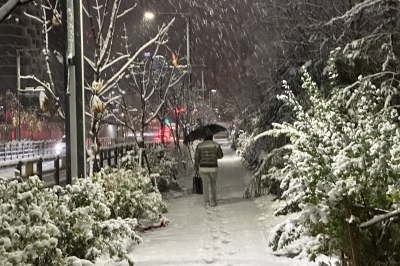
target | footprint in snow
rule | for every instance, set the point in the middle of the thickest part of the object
(225, 241)
(222, 221)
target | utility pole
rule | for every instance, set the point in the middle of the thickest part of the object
(202, 85)
(18, 95)
(189, 66)
(74, 89)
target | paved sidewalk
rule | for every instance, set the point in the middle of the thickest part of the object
(233, 233)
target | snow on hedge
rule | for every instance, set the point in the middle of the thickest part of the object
(344, 167)
(76, 224)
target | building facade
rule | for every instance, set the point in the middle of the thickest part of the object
(23, 35)
(20, 32)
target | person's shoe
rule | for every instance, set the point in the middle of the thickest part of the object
(213, 204)
(206, 205)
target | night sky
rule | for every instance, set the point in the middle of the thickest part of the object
(220, 37)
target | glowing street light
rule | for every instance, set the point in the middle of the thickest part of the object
(212, 91)
(151, 15)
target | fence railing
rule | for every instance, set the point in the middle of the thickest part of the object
(25, 149)
(15, 150)
(35, 167)
(108, 156)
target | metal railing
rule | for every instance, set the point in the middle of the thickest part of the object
(25, 149)
(108, 156)
(35, 167)
(15, 150)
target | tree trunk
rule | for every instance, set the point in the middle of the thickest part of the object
(352, 233)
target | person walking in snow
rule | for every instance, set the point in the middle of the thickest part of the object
(206, 164)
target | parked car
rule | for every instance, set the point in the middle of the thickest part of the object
(60, 147)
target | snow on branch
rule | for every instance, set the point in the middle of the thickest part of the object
(162, 31)
(113, 62)
(9, 6)
(90, 62)
(265, 133)
(354, 11)
(33, 17)
(44, 84)
(126, 11)
(113, 99)
(110, 85)
(172, 84)
(107, 43)
(380, 218)
(154, 115)
(372, 76)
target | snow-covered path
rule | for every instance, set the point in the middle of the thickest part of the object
(233, 233)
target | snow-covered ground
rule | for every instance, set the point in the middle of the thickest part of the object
(233, 233)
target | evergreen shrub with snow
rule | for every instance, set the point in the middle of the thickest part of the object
(248, 148)
(266, 164)
(161, 161)
(267, 177)
(164, 163)
(343, 170)
(59, 226)
(130, 193)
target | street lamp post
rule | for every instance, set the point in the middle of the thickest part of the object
(188, 62)
(151, 15)
(18, 88)
(19, 51)
(210, 98)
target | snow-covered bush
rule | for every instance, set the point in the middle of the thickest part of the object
(161, 161)
(280, 237)
(28, 233)
(130, 193)
(248, 148)
(164, 163)
(130, 161)
(344, 168)
(58, 226)
(267, 178)
(267, 164)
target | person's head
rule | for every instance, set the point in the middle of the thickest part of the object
(209, 137)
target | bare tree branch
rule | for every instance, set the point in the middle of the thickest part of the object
(9, 6)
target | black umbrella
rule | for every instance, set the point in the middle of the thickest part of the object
(204, 131)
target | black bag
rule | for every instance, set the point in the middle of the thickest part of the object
(197, 185)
